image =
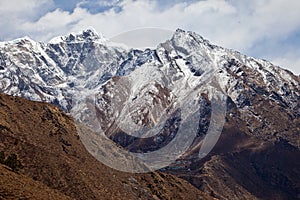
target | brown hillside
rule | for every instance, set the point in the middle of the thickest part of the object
(55, 161)
(18, 186)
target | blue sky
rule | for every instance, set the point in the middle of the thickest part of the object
(268, 29)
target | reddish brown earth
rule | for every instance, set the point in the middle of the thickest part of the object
(55, 165)
(17, 186)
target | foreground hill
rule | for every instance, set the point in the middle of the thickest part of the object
(54, 162)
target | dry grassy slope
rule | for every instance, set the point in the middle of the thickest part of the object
(18, 186)
(46, 143)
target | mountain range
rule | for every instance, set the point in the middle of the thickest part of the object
(185, 90)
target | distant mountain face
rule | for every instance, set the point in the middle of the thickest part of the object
(52, 71)
(134, 88)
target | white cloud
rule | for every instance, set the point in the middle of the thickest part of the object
(288, 61)
(21, 7)
(14, 13)
(234, 24)
(55, 23)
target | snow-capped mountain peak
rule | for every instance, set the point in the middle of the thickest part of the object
(88, 35)
(77, 64)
